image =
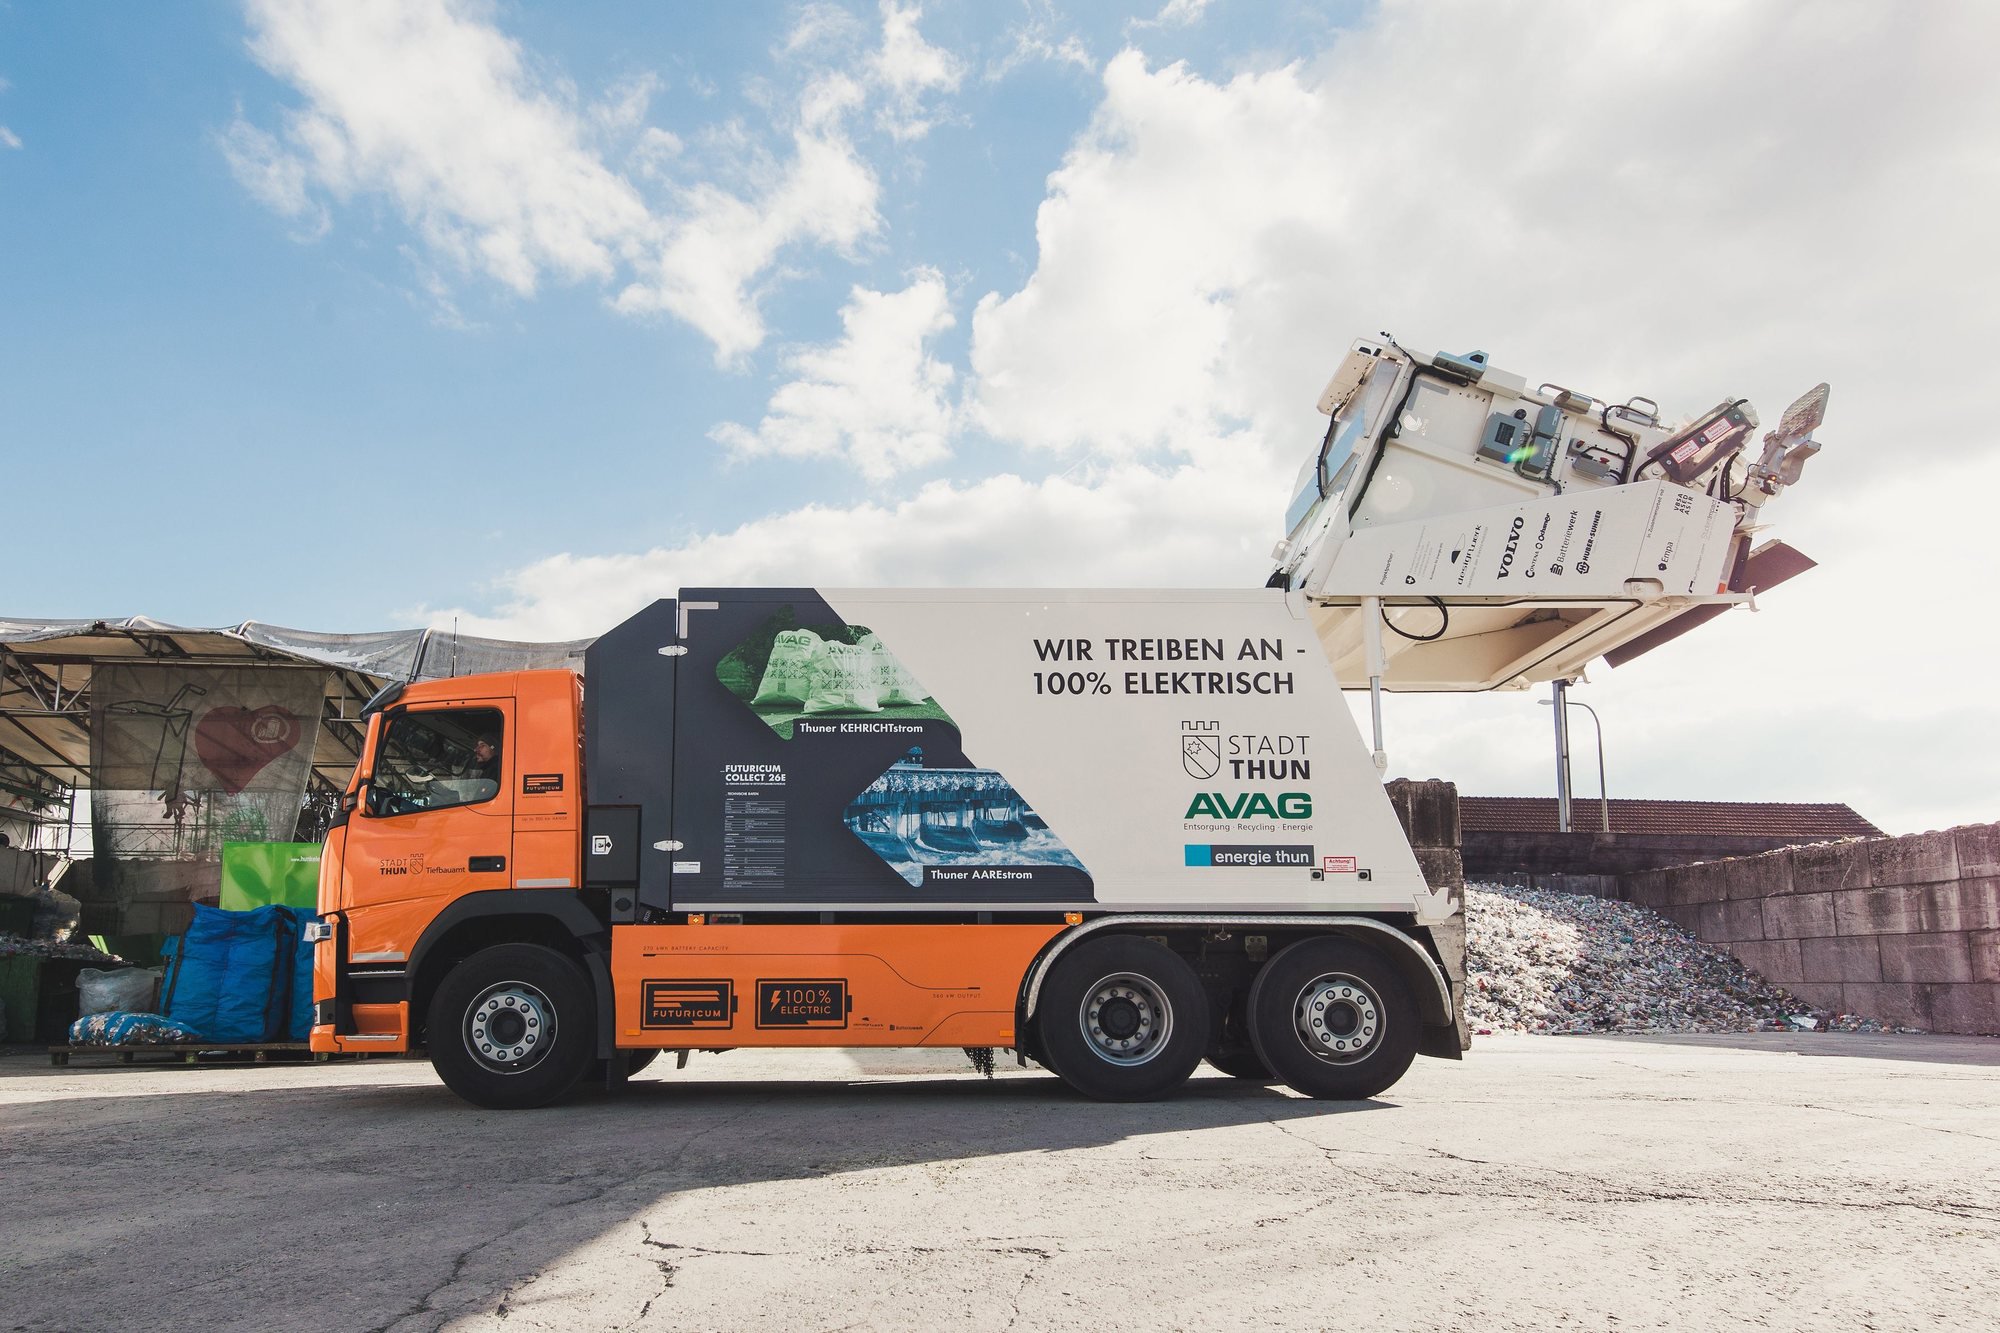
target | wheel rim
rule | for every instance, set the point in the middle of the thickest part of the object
(510, 1027)
(1125, 1018)
(1338, 1018)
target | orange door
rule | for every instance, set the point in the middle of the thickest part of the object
(435, 822)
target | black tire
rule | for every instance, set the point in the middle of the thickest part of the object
(1333, 1019)
(513, 1026)
(1122, 1019)
(1241, 1062)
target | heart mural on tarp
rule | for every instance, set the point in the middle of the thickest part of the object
(187, 756)
(236, 744)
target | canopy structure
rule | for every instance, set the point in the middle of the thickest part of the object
(48, 668)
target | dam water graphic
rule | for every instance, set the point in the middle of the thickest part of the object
(915, 817)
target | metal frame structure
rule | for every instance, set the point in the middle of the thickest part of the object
(47, 669)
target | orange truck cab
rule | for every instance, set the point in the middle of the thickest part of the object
(1116, 833)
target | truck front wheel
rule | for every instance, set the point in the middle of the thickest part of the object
(1333, 1020)
(511, 1027)
(1123, 1019)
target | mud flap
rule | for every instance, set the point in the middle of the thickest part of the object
(1449, 1042)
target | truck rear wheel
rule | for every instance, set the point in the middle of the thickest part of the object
(1123, 1019)
(511, 1027)
(1333, 1019)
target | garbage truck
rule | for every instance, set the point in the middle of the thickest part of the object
(1116, 833)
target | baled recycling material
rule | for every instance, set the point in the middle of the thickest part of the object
(128, 1029)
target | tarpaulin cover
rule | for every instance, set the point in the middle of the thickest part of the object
(128, 1029)
(230, 974)
(184, 758)
(402, 654)
(64, 656)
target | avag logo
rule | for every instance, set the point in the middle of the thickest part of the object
(1250, 805)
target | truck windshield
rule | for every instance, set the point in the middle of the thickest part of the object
(437, 759)
(1326, 477)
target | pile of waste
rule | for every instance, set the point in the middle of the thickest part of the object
(1541, 961)
(11, 945)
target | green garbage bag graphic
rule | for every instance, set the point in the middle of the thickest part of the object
(893, 682)
(796, 655)
(785, 671)
(845, 682)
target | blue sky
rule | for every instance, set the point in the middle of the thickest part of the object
(239, 386)
(348, 316)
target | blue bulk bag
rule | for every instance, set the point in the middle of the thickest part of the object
(230, 974)
(300, 1017)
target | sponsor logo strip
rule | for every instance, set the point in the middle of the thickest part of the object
(1297, 856)
(687, 1004)
(806, 1002)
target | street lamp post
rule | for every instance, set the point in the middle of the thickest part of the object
(1560, 689)
(1562, 749)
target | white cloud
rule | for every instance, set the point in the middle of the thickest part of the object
(908, 67)
(1155, 230)
(1178, 14)
(1040, 39)
(503, 171)
(1702, 186)
(711, 256)
(272, 174)
(1714, 199)
(822, 27)
(877, 397)
(1127, 526)
(439, 112)
(8, 139)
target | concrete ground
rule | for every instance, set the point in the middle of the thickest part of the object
(1806, 1181)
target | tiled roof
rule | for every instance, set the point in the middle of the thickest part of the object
(1763, 819)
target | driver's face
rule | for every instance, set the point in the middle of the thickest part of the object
(482, 750)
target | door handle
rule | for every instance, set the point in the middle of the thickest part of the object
(486, 864)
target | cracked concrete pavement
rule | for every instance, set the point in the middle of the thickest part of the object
(1775, 1181)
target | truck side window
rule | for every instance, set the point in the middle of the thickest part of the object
(438, 759)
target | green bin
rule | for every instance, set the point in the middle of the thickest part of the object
(20, 991)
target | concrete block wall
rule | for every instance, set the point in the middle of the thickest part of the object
(1906, 930)
(1428, 812)
(1492, 856)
